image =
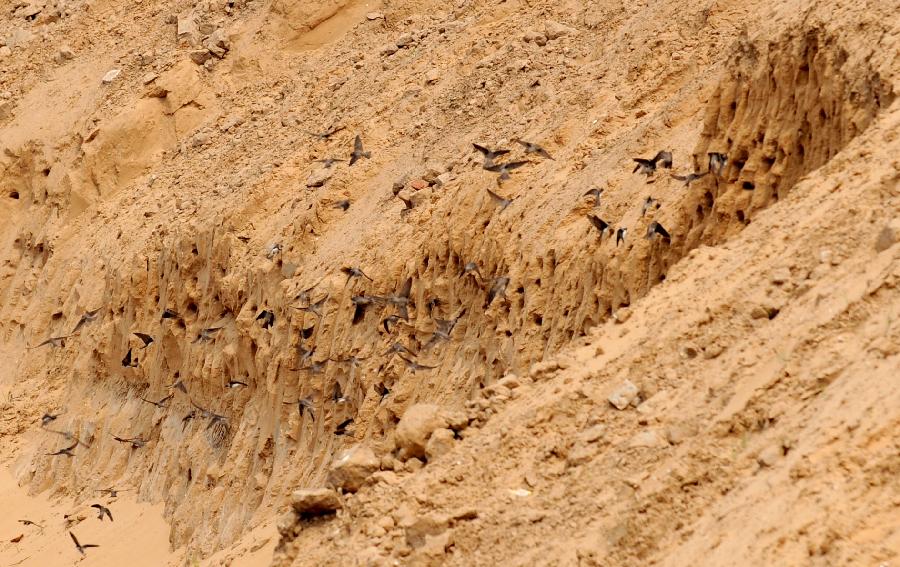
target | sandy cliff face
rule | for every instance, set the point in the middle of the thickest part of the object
(182, 198)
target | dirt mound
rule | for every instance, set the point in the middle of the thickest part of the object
(221, 293)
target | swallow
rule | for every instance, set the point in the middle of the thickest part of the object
(655, 228)
(360, 304)
(30, 523)
(328, 162)
(232, 384)
(67, 451)
(179, 385)
(489, 155)
(472, 268)
(355, 273)
(648, 166)
(358, 151)
(113, 492)
(600, 225)
(620, 235)
(69, 437)
(315, 308)
(443, 328)
(145, 338)
(267, 318)
(432, 304)
(532, 148)
(388, 321)
(127, 361)
(382, 391)
(717, 163)
(690, 177)
(303, 404)
(170, 314)
(341, 428)
(498, 288)
(338, 396)
(504, 168)
(414, 366)
(161, 403)
(400, 300)
(135, 442)
(81, 547)
(343, 204)
(273, 250)
(649, 203)
(596, 192)
(208, 414)
(101, 510)
(498, 200)
(327, 134)
(206, 335)
(397, 348)
(85, 319)
(52, 341)
(48, 417)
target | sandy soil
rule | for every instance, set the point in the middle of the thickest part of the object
(726, 395)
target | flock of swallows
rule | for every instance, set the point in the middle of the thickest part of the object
(362, 302)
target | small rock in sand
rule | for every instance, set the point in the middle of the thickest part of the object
(888, 235)
(624, 395)
(319, 176)
(440, 443)
(110, 76)
(311, 502)
(353, 467)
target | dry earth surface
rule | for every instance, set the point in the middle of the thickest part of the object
(723, 392)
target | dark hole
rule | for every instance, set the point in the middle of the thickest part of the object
(700, 211)
(485, 223)
(769, 161)
(13, 194)
(508, 333)
(192, 307)
(822, 114)
(709, 200)
(190, 475)
(520, 289)
(773, 313)
(740, 216)
(733, 105)
(538, 320)
(537, 282)
(57, 315)
(748, 186)
(156, 298)
(194, 251)
(662, 277)
(740, 163)
(425, 262)
(46, 172)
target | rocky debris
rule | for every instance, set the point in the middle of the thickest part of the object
(374, 16)
(888, 235)
(536, 37)
(405, 40)
(5, 51)
(319, 176)
(622, 315)
(388, 49)
(65, 53)
(200, 56)
(418, 424)
(649, 439)
(625, 395)
(440, 443)
(187, 31)
(678, 433)
(110, 76)
(417, 528)
(555, 30)
(311, 502)
(770, 455)
(353, 467)
(432, 76)
(217, 43)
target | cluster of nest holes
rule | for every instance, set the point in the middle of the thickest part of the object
(779, 117)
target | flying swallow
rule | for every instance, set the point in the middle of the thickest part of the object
(655, 228)
(596, 192)
(85, 319)
(113, 492)
(179, 385)
(354, 273)
(472, 268)
(135, 442)
(341, 428)
(161, 403)
(267, 318)
(649, 203)
(328, 162)
(532, 148)
(127, 361)
(717, 162)
(30, 523)
(67, 451)
(504, 168)
(206, 335)
(600, 224)
(498, 288)
(52, 341)
(620, 235)
(338, 396)
(400, 300)
(443, 328)
(358, 151)
(690, 177)
(101, 509)
(414, 366)
(432, 304)
(498, 200)
(390, 320)
(489, 155)
(145, 338)
(343, 204)
(303, 404)
(48, 417)
(397, 348)
(315, 308)
(232, 384)
(648, 166)
(327, 134)
(81, 547)
(273, 250)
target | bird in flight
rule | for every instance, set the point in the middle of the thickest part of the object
(48, 417)
(443, 328)
(472, 268)
(343, 204)
(717, 163)
(267, 318)
(532, 148)
(206, 335)
(341, 428)
(128, 361)
(101, 510)
(113, 492)
(596, 192)
(315, 308)
(161, 403)
(498, 288)
(304, 404)
(232, 384)
(328, 162)
(135, 442)
(500, 201)
(30, 523)
(400, 300)
(620, 235)
(170, 314)
(353, 272)
(648, 166)
(327, 134)
(655, 228)
(649, 203)
(690, 177)
(66, 451)
(358, 151)
(52, 341)
(504, 168)
(81, 546)
(600, 224)
(85, 319)
(489, 155)
(145, 338)
(413, 365)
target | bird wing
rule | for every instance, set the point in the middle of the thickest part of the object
(147, 339)
(482, 149)
(664, 157)
(514, 165)
(357, 144)
(680, 177)
(599, 223)
(496, 167)
(75, 539)
(496, 197)
(662, 231)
